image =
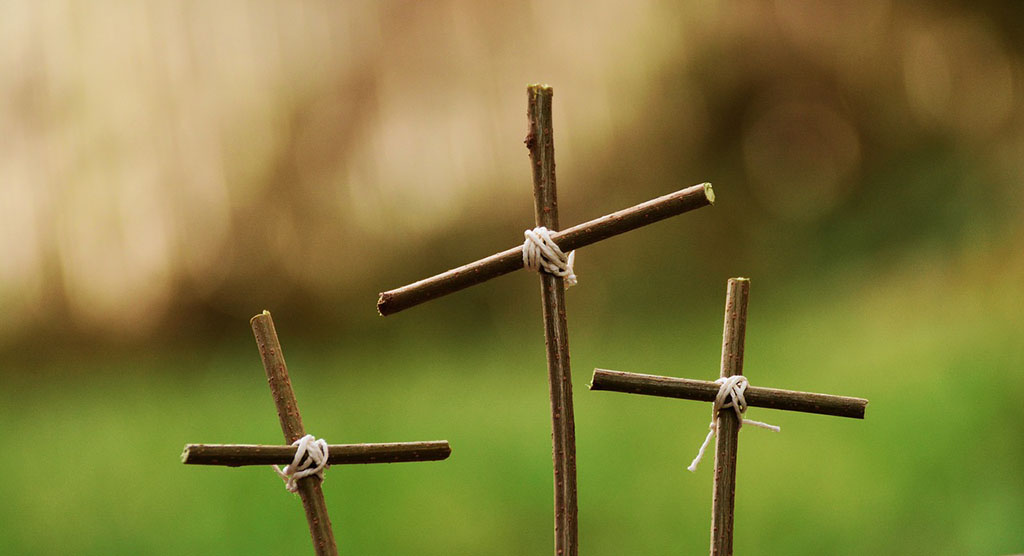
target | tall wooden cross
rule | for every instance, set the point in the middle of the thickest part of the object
(728, 424)
(308, 488)
(540, 142)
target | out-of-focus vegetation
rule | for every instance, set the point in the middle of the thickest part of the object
(169, 169)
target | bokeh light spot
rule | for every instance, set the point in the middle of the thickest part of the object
(800, 158)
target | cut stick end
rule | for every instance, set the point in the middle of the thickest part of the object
(598, 378)
(382, 304)
(185, 453)
(709, 192)
(265, 313)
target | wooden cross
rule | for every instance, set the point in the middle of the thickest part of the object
(728, 425)
(234, 455)
(540, 142)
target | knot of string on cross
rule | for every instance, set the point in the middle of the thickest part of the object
(540, 252)
(310, 459)
(730, 394)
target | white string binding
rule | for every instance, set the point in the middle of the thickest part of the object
(731, 387)
(541, 252)
(310, 459)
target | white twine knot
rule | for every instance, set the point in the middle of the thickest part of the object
(731, 387)
(541, 252)
(310, 459)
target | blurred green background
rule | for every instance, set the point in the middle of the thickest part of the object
(169, 169)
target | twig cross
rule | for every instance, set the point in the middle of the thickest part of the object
(737, 294)
(234, 455)
(540, 142)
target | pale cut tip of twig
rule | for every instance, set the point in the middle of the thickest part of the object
(184, 454)
(709, 192)
(540, 86)
(265, 313)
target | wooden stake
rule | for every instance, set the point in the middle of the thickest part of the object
(723, 502)
(734, 331)
(236, 455)
(291, 424)
(541, 144)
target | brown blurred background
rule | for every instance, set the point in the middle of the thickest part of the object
(172, 167)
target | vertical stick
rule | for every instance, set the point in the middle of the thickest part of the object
(291, 424)
(540, 142)
(733, 334)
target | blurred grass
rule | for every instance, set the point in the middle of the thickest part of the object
(92, 462)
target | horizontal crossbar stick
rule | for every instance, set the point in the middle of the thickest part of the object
(236, 455)
(575, 237)
(705, 391)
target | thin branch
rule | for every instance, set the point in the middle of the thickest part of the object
(727, 436)
(581, 235)
(540, 142)
(705, 391)
(236, 455)
(291, 424)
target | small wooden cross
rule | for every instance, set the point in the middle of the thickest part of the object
(728, 425)
(234, 455)
(540, 142)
